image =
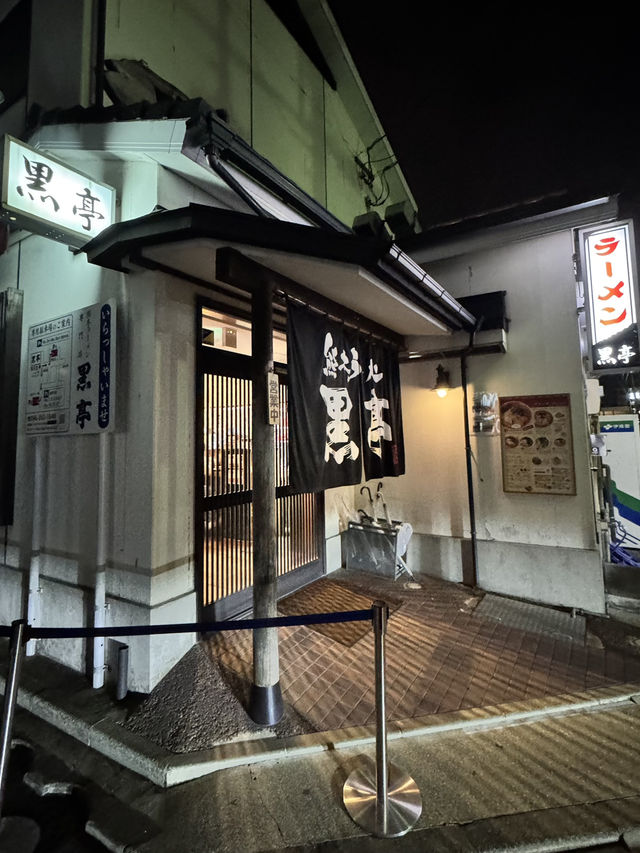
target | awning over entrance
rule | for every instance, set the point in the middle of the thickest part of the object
(375, 281)
(255, 209)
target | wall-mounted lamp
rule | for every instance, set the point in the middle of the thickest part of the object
(442, 381)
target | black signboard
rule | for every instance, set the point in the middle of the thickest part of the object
(344, 404)
(382, 444)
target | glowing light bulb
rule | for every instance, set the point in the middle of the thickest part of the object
(442, 381)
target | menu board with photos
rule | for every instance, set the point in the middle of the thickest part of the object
(537, 449)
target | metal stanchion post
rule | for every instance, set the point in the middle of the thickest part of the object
(383, 800)
(10, 697)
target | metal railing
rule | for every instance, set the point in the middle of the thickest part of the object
(381, 798)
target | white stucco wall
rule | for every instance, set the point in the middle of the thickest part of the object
(150, 517)
(541, 547)
(149, 551)
(339, 507)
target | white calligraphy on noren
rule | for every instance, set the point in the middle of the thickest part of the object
(339, 444)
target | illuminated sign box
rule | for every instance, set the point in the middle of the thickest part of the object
(47, 197)
(609, 269)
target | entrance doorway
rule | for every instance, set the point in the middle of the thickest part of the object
(224, 513)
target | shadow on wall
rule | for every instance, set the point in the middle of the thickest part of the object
(436, 556)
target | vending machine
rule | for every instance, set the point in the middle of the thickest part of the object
(621, 434)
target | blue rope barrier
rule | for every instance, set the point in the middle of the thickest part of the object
(197, 627)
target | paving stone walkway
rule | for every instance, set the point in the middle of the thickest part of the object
(448, 648)
(560, 624)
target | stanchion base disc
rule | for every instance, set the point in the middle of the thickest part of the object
(404, 803)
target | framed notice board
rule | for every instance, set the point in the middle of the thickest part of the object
(536, 444)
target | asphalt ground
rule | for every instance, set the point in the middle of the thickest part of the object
(551, 782)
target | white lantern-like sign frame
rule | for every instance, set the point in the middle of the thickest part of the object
(48, 197)
(609, 272)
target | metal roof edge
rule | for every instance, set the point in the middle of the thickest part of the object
(201, 221)
(208, 129)
(188, 126)
(481, 238)
(111, 248)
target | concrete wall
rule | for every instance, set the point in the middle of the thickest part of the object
(149, 520)
(344, 195)
(540, 547)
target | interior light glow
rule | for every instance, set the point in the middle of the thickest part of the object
(442, 381)
(52, 196)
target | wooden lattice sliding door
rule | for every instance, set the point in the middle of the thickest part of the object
(224, 507)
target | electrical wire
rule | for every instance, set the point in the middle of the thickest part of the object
(369, 175)
(385, 190)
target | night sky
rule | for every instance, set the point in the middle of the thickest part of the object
(485, 110)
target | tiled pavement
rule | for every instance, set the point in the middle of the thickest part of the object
(443, 654)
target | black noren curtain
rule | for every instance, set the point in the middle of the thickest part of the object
(344, 404)
(383, 440)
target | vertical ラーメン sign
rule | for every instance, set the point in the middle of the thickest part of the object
(71, 373)
(344, 404)
(608, 262)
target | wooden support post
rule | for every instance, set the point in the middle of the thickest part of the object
(265, 704)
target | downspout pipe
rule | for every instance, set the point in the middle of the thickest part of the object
(34, 601)
(100, 596)
(101, 28)
(470, 575)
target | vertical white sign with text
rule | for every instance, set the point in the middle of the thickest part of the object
(71, 373)
(608, 259)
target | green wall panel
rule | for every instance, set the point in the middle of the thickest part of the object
(345, 191)
(201, 48)
(288, 111)
(238, 56)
